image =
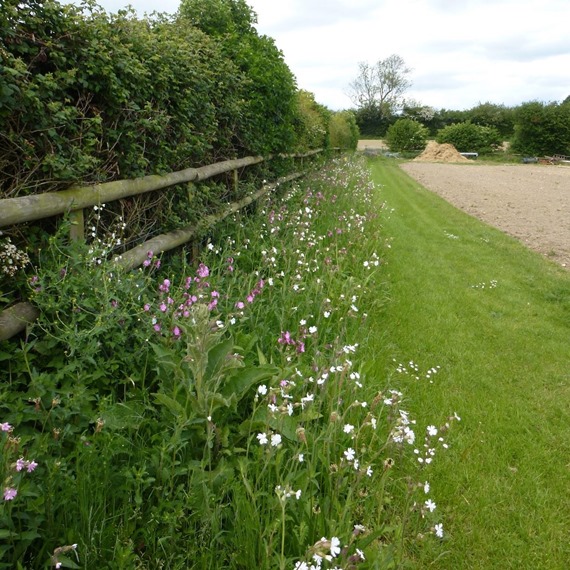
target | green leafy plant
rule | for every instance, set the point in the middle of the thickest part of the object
(468, 137)
(407, 135)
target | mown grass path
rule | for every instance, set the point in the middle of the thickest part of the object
(496, 318)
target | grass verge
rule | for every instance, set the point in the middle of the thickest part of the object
(496, 318)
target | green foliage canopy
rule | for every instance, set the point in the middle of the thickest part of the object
(542, 129)
(87, 96)
(343, 130)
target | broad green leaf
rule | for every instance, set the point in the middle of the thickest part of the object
(175, 407)
(242, 380)
(217, 356)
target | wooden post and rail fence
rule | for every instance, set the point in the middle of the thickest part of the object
(15, 211)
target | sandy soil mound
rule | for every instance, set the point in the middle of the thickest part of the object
(435, 152)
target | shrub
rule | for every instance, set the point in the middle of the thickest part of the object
(406, 135)
(468, 137)
(343, 130)
(542, 129)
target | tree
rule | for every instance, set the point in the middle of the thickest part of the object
(491, 115)
(406, 135)
(542, 129)
(343, 130)
(380, 86)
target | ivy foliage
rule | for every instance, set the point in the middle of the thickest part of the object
(87, 96)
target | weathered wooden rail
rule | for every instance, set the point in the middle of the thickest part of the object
(15, 211)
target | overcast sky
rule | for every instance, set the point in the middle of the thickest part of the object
(461, 52)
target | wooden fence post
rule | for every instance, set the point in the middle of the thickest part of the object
(235, 181)
(77, 229)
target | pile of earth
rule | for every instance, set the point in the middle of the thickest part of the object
(435, 152)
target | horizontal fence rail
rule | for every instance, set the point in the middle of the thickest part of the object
(40, 206)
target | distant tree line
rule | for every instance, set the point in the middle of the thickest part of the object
(533, 128)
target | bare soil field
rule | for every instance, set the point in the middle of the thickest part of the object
(528, 202)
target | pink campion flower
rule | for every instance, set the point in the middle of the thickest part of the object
(31, 465)
(212, 304)
(203, 271)
(20, 464)
(250, 298)
(164, 286)
(176, 332)
(146, 307)
(163, 307)
(156, 327)
(300, 347)
(146, 262)
(188, 283)
(6, 427)
(157, 263)
(240, 305)
(150, 254)
(10, 493)
(285, 338)
(214, 294)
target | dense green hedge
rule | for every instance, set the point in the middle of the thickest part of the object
(542, 129)
(87, 96)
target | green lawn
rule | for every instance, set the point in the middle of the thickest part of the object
(496, 318)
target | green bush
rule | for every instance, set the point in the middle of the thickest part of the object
(406, 135)
(468, 137)
(343, 130)
(542, 129)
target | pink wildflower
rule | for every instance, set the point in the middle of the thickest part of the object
(203, 271)
(31, 466)
(10, 493)
(5, 427)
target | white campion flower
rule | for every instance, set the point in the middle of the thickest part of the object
(438, 528)
(262, 389)
(430, 505)
(426, 487)
(313, 329)
(348, 428)
(275, 440)
(349, 454)
(432, 430)
(262, 437)
(335, 546)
